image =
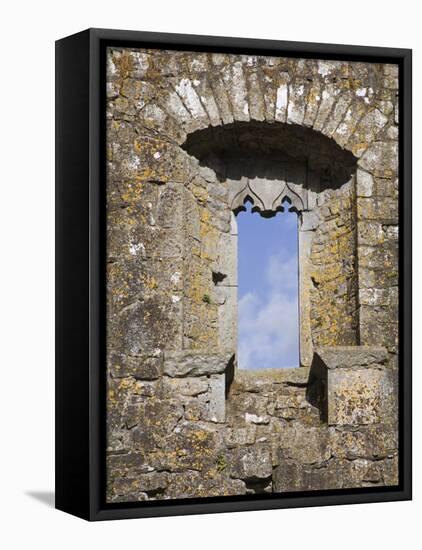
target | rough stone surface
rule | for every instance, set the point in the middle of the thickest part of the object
(352, 356)
(194, 363)
(359, 396)
(190, 137)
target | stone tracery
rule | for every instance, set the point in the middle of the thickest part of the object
(267, 196)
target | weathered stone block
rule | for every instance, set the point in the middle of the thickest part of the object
(193, 484)
(238, 437)
(379, 297)
(360, 388)
(221, 98)
(147, 366)
(143, 483)
(217, 398)
(312, 103)
(335, 474)
(227, 259)
(227, 319)
(364, 184)
(191, 446)
(257, 419)
(170, 208)
(186, 91)
(381, 159)
(385, 209)
(265, 380)
(190, 387)
(282, 98)
(378, 315)
(375, 441)
(305, 445)
(250, 463)
(329, 95)
(249, 408)
(297, 103)
(381, 257)
(352, 356)
(154, 322)
(155, 419)
(194, 363)
(204, 91)
(234, 80)
(386, 334)
(339, 110)
(135, 462)
(255, 94)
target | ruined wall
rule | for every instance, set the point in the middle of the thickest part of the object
(186, 133)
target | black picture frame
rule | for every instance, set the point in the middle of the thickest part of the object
(80, 274)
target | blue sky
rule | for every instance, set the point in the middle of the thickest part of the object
(268, 324)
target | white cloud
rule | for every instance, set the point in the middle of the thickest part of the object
(282, 273)
(268, 318)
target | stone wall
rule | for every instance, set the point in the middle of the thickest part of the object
(190, 137)
(333, 259)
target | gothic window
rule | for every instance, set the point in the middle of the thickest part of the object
(279, 170)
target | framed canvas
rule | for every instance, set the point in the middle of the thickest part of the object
(233, 274)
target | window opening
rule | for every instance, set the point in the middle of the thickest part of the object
(268, 295)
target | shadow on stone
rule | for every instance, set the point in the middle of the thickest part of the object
(261, 149)
(230, 373)
(316, 391)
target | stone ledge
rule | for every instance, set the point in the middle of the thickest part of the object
(195, 363)
(255, 381)
(352, 356)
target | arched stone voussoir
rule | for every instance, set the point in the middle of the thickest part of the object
(256, 88)
(234, 79)
(313, 100)
(347, 126)
(341, 106)
(181, 102)
(186, 90)
(346, 115)
(202, 86)
(296, 106)
(329, 97)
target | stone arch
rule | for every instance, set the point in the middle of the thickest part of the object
(326, 96)
(347, 101)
